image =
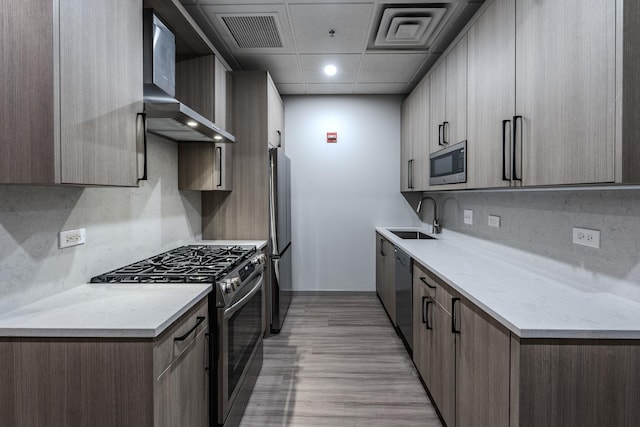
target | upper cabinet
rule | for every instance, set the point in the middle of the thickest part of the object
(414, 139)
(204, 84)
(551, 95)
(69, 100)
(448, 118)
(565, 92)
(491, 97)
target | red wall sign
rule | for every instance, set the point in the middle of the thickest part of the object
(332, 137)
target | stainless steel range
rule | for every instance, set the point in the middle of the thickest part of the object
(235, 314)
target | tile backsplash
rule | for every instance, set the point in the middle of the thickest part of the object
(122, 225)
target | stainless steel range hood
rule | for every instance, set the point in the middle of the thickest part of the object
(176, 121)
(166, 116)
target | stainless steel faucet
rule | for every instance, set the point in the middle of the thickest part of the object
(436, 226)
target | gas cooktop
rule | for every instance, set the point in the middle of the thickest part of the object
(186, 264)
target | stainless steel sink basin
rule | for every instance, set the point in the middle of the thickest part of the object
(414, 235)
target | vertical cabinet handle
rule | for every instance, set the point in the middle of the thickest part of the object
(445, 131)
(279, 138)
(141, 144)
(426, 302)
(219, 156)
(410, 183)
(515, 175)
(440, 135)
(382, 247)
(455, 328)
(505, 157)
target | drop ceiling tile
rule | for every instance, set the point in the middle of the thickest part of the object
(311, 24)
(291, 89)
(379, 88)
(330, 89)
(313, 68)
(390, 68)
(283, 68)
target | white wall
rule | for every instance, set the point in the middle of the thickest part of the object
(123, 225)
(341, 192)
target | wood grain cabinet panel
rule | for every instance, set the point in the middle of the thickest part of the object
(491, 101)
(414, 139)
(385, 276)
(566, 90)
(72, 91)
(483, 369)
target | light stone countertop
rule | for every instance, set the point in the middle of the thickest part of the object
(99, 310)
(531, 299)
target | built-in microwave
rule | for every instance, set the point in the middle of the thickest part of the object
(449, 166)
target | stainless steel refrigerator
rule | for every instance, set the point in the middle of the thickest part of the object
(279, 236)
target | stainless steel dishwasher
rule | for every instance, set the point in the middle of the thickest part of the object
(404, 298)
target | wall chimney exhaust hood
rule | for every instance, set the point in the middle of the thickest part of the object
(166, 116)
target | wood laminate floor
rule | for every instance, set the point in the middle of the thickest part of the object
(338, 362)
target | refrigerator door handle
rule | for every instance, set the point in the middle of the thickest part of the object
(273, 201)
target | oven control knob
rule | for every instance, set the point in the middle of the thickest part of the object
(227, 286)
(258, 260)
(235, 283)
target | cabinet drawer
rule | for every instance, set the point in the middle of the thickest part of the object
(437, 289)
(168, 347)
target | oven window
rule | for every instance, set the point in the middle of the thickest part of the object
(244, 329)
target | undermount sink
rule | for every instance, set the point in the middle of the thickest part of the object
(414, 235)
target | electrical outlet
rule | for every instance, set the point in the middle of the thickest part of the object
(494, 221)
(586, 237)
(72, 238)
(468, 216)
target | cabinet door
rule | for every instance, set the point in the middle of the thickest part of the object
(483, 363)
(406, 145)
(385, 276)
(437, 105)
(100, 91)
(443, 364)
(565, 90)
(182, 390)
(456, 93)
(420, 131)
(491, 42)
(220, 94)
(205, 166)
(423, 332)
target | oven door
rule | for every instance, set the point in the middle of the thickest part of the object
(239, 342)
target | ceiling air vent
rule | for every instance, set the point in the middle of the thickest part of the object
(407, 27)
(254, 31)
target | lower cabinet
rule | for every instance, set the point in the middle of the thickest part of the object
(463, 356)
(483, 363)
(385, 276)
(106, 382)
(479, 374)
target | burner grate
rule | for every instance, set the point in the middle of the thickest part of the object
(186, 264)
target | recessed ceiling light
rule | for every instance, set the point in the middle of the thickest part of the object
(217, 138)
(330, 70)
(192, 123)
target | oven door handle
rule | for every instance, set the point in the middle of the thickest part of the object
(238, 304)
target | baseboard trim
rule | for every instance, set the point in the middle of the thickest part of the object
(333, 293)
